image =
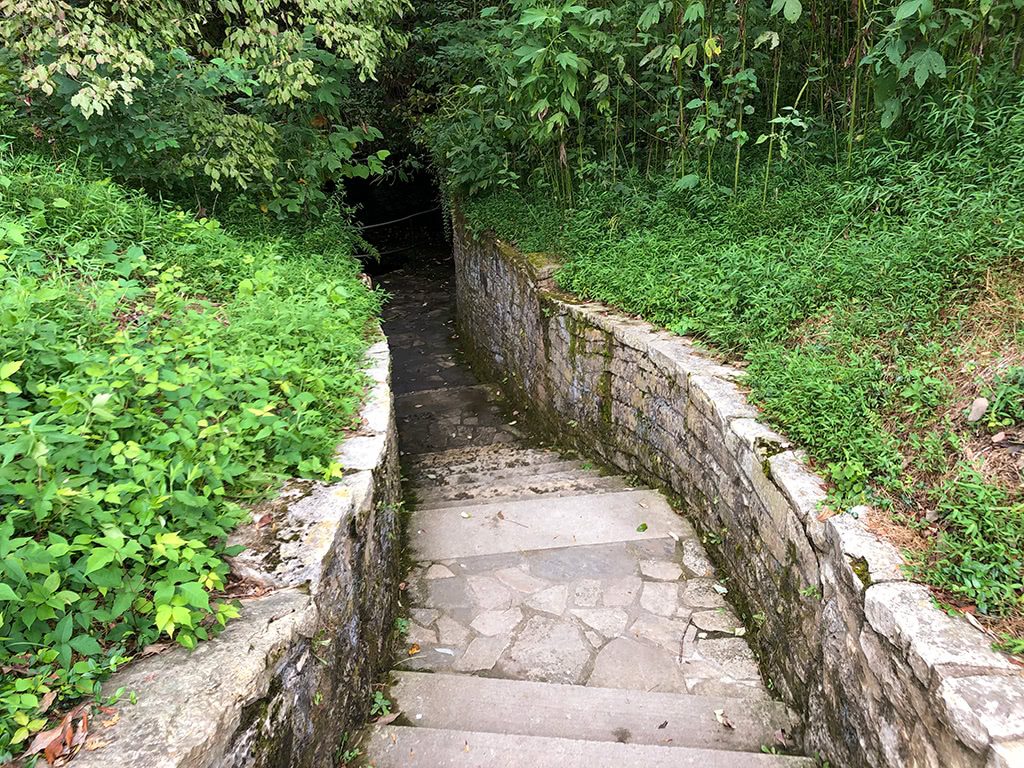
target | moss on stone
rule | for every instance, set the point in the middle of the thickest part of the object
(860, 566)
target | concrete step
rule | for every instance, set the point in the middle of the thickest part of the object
(403, 747)
(430, 477)
(481, 459)
(570, 484)
(514, 526)
(492, 705)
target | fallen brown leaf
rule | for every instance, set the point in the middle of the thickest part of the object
(95, 743)
(47, 701)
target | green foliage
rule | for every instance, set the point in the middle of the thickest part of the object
(841, 292)
(155, 373)
(1006, 399)
(195, 99)
(558, 93)
(980, 557)
(381, 705)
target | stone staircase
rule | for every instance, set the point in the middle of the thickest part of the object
(558, 614)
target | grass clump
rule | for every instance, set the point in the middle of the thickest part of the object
(862, 300)
(156, 373)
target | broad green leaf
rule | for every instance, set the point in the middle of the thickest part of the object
(7, 594)
(98, 559)
(907, 8)
(10, 368)
(86, 645)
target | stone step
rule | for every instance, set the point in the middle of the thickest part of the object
(481, 459)
(514, 526)
(570, 484)
(444, 396)
(404, 747)
(430, 476)
(593, 714)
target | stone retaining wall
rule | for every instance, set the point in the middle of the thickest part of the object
(283, 684)
(880, 676)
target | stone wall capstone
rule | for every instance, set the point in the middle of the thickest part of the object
(880, 675)
(283, 684)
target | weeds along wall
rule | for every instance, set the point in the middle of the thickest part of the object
(286, 684)
(880, 676)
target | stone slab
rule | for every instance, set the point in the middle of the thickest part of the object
(398, 747)
(595, 714)
(542, 524)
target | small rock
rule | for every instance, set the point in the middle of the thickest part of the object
(551, 600)
(696, 560)
(622, 593)
(701, 593)
(438, 571)
(482, 654)
(978, 408)
(490, 593)
(424, 616)
(497, 622)
(660, 570)
(608, 621)
(548, 650)
(721, 620)
(660, 598)
(420, 635)
(451, 632)
(520, 580)
(587, 593)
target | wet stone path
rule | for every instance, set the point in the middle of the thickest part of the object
(550, 600)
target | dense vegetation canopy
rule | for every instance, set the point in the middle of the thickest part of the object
(155, 372)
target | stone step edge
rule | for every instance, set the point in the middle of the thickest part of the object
(436, 747)
(420, 476)
(525, 494)
(453, 458)
(682, 719)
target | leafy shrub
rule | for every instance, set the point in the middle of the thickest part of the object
(198, 99)
(1006, 398)
(559, 94)
(155, 373)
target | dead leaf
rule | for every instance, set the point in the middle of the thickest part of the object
(267, 519)
(414, 649)
(723, 719)
(387, 719)
(780, 738)
(47, 701)
(663, 726)
(95, 743)
(43, 740)
(825, 514)
(112, 721)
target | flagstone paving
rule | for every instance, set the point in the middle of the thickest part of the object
(536, 568)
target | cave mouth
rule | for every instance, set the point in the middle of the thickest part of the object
(401, 216)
